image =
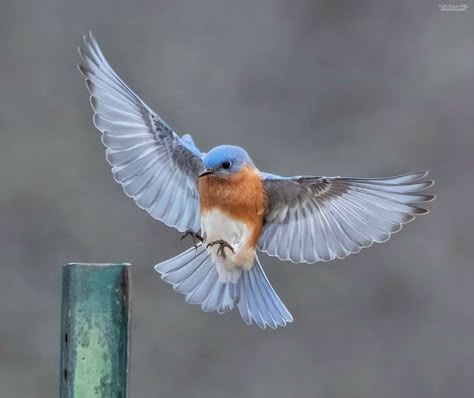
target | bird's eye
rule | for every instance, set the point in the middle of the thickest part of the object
(226, 165)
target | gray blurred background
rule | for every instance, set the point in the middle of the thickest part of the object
(363, 88)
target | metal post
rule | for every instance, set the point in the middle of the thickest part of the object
(95, 330)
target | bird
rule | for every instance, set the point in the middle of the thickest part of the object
(231, 209)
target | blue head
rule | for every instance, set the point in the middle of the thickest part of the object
(225, 160)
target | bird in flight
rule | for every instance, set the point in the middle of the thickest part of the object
(231, 209)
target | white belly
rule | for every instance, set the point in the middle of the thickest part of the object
(216, 226)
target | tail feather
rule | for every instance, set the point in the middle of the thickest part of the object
(276, 307)
(259, 302)
(194, 274)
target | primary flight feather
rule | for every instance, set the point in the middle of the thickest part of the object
(231, 208)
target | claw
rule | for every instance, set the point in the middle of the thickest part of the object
(222, 245)
(195, 237)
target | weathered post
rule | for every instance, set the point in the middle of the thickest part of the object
(95, 330)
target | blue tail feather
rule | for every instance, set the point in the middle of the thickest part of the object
(193, 274)
(260, 302)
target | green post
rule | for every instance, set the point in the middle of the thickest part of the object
(95, 330)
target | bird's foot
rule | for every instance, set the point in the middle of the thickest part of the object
(195, 237)
(222, 245)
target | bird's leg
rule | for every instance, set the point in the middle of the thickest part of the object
(222, 245)
(195, 237)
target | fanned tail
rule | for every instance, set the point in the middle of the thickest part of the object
(194, 274)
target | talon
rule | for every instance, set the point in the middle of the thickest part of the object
(195, 237)
(222, 252)
(222, 245)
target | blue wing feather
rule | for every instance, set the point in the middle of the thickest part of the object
(310, 219)
(155, 167)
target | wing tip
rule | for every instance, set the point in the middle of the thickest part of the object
(89, 39)
(417, 175)
(430, 198)
(429, 184)
(89, 51)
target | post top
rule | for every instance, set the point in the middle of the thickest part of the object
(97, 265)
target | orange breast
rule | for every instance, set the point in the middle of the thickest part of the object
(240, 196)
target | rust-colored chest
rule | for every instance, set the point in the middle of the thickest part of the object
(240, 196)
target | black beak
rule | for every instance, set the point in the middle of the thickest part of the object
(205, 172)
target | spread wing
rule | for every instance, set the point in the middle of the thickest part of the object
(311, 219)
(155, 167)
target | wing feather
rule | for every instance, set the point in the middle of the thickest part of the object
(310, 219)
(155, 167)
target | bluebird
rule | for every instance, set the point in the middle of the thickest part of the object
(231, 208)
